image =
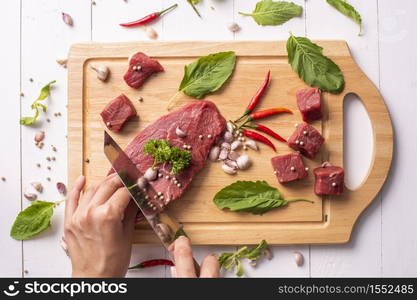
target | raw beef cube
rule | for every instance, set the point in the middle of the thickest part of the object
(141, 67)
(194, 119)
(306, 139)
(289, 167)
(329, 180)
(117, 112)
(309, 104)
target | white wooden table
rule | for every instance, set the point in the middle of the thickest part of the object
(384, 242)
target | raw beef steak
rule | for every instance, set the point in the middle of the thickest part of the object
(289, 167)
(117, 112)
(309, 104)
(329, 180)
(195, 119)
(140, 68)
(306, 139)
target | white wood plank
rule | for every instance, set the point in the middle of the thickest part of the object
(282, 265)
(362, 255)
(44, 39)
(11, 259)
(398, 48)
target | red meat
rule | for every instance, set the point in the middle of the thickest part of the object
(141, 67)
(289, 167)
(329, 180)
(309, 104)
(306, 139)
(117, 112)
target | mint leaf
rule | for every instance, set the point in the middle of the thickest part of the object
(33, 220)
(268, 12)
(207, 74)
(348, 10)
(317, 70)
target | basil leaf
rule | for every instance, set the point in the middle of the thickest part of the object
(254, 197)
(207, 74)
(45, 91)
(268, 12)
(256, 253)
(348, 10)
(317, 70)
(33, 220)
(239, 269)
(29, 120)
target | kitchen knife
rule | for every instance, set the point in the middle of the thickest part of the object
(147, 199)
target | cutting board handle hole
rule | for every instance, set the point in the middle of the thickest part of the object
(358, 141)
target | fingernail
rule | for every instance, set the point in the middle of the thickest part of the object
(173, 272)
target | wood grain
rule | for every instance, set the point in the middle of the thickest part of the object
(326, 221)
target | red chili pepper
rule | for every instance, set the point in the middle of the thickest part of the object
(153, 263)
(268, 112)
(257, 137)
(267, 130)
(257, 97)
(149, 18)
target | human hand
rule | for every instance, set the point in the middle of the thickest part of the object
(99, 224)
(184, 262)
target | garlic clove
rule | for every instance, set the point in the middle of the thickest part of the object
(236, 145)
(39, 136)
(30, 196)
(37, 186)
(252, 145)
(233, 155)
(231, 164)
(180, 133)
(223, 154)
(151, 174)
(227, 136)
(228, 170)
(214, 153)
(102, 71)
(151, 33)
(233, 27)
(298, 258)
(61, 187)
(230, 127)
(225, 145)
(243, 162)
(142, 182)
(67, 19)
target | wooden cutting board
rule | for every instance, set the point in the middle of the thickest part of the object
(328, 220)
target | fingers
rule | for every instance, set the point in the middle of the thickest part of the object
(120, 200)
(107, 188)
(184, 263)
(72, 201)
(130, 217)
(210, 267)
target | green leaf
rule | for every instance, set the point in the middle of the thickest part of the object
(207, 74)
(255, 197)
(348, 10)
(268, 12)
(38, 104)
(29, 120)
(45, 91)
(192, 3)
(33, 220)
(317, 70)
(239, 269)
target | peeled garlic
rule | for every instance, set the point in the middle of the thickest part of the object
(39, 136)
(151, 174)
(228, 170)
(299, 258)
(102, 71)
(151, 33)
(37, 186)
(179, 132)
(251, 144)
(214, 153)
(243, 162)
(236, 145)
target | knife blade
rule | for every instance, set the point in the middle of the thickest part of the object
(147, 199)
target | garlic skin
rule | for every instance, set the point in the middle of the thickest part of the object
(30, 196)
(180, 133)
(37, 186)
(39, 136)
(214, 153)
(67, 19)
(62, 62)
(151, 174)
(228, 170)
(252, 145)
(102, 71)
(233, 27)
(298, 258)
(243, 162)
(236, 145)
(151, 33)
